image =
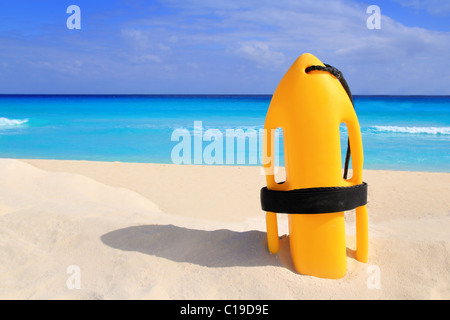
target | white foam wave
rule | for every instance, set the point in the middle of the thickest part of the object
(412, 130)
(11, 123)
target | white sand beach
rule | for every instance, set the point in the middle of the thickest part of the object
(154, 231)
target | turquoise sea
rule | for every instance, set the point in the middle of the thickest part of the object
(399, 132)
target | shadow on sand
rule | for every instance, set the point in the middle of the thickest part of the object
(217, 248)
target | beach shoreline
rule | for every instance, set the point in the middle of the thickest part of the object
(165, 231)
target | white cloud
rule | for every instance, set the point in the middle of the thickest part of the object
(393, 60)
(135, 37)
(434, 7)
(260, 53)
(267, 36)
(67, 67)
(245, 47)
(146, 58)
(192, 65)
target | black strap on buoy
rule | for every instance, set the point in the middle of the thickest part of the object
(323, 199)
(314, 200)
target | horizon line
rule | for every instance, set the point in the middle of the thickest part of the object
(199, 94)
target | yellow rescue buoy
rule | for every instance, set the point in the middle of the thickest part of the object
(309, 105)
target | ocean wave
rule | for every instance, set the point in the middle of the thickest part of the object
(11, 123)
(411, 130)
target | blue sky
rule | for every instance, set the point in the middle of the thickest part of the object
(220, 47)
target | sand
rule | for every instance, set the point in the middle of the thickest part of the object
(109, 230)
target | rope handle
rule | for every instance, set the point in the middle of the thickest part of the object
(338, 74)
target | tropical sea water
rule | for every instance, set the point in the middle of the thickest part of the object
(398, 132)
